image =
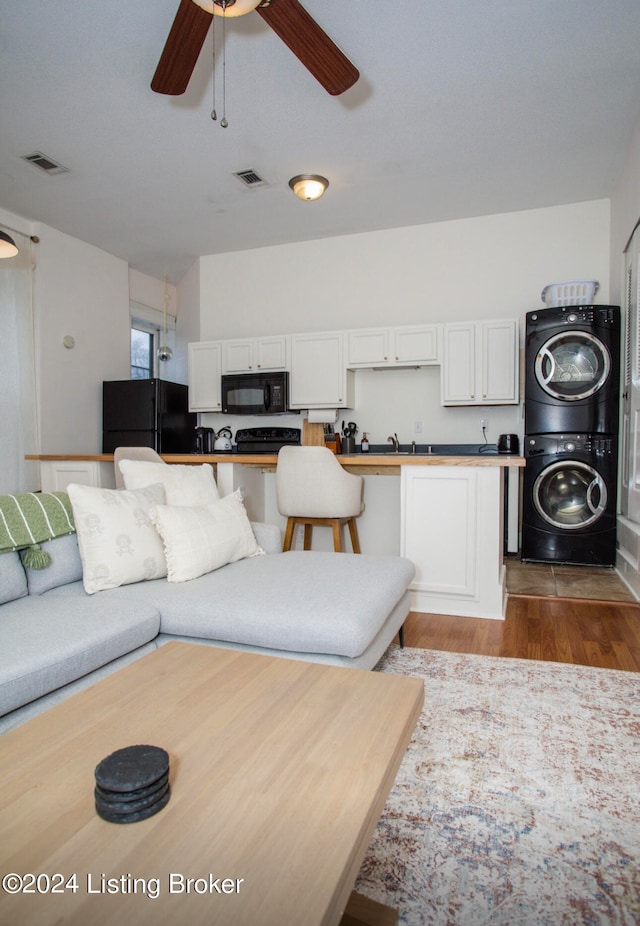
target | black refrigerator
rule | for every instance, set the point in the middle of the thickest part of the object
(147, 413)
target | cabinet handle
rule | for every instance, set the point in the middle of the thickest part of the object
(259, 365)
(484, 395)
(385, 358)
(472, 396)
(397, 358)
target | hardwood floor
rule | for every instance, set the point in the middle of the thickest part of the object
(579, 631)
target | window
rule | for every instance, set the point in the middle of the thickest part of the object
(143, 341)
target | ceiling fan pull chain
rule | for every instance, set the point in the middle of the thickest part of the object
(223, 121)
(214, 114)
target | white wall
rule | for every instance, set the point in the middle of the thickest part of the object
(188, 314)
(83, 292)
(488, 267)
(147, 304)
(625, 212)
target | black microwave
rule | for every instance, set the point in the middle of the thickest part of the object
(255, 393)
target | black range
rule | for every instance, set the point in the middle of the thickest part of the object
(265, 440)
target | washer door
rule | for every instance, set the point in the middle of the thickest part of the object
(570, 495)
(572, 365)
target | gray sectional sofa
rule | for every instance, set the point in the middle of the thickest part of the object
(56, 639)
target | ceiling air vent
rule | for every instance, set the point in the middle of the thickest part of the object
(250, 178)
(45, 163)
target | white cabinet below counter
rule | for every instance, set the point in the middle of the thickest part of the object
(409, 345)
(451, 530)
(56, 475)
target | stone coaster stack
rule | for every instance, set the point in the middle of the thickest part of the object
(132, 784)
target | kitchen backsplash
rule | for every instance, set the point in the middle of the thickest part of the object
(399, 401)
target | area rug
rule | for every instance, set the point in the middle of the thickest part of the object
(518, 800)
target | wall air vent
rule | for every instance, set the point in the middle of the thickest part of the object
(250, 178)
(45, 163)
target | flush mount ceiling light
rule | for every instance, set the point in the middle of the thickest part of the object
(8, 247)
(308, 186)
(228, 7)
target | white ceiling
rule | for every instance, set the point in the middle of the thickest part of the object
(463, 108)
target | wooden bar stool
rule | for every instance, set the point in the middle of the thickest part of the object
(313, 489)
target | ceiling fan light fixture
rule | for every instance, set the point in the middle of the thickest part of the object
(8, 247)
(228, 7)
(308, 186)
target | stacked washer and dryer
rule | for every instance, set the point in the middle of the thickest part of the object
(572, 379)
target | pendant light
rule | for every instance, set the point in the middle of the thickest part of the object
(8, 247)
(164, 351)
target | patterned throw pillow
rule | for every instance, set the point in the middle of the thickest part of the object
(118, 542)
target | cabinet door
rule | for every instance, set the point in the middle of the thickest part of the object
(459, 364)
(271, 353)
(238, 356)
(204, 376)
(440, 528)
(416, 344)
(480, 363)
(318, 373)
(368, 347)
(55, 475)
(499, 362)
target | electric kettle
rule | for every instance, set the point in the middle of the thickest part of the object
(508, 443)
(223, 441)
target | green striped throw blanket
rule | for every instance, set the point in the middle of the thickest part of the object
(28, 519)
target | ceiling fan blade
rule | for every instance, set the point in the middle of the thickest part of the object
(182, 49)
(310, 44)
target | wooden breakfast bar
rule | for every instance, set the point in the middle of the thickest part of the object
(446, 513)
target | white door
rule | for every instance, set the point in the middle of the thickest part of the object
(630, 450)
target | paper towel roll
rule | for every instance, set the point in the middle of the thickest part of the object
(323, 415)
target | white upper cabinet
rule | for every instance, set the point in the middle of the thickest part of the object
(480, 363)
(319, 375)
(254, 354)
(205, 360)
(409, 345)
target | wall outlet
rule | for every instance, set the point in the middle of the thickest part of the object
(484, 424)
(417, 427)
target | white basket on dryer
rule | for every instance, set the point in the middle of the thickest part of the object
(572, 292)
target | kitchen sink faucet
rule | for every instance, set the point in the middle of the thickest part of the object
(396, 443)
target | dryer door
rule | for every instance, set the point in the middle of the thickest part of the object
(572, 365)
(570, 495)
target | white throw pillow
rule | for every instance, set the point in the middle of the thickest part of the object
(199, 540)
(118, 543)
(183, 485)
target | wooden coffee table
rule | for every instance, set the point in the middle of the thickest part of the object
(279, 772)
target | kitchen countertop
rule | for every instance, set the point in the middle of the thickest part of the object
(377, 460)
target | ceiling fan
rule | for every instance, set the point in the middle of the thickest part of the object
(288, 19)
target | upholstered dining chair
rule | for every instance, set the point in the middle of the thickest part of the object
(132, 453)
(313, 489)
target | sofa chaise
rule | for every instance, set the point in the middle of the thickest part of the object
(56, 638)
